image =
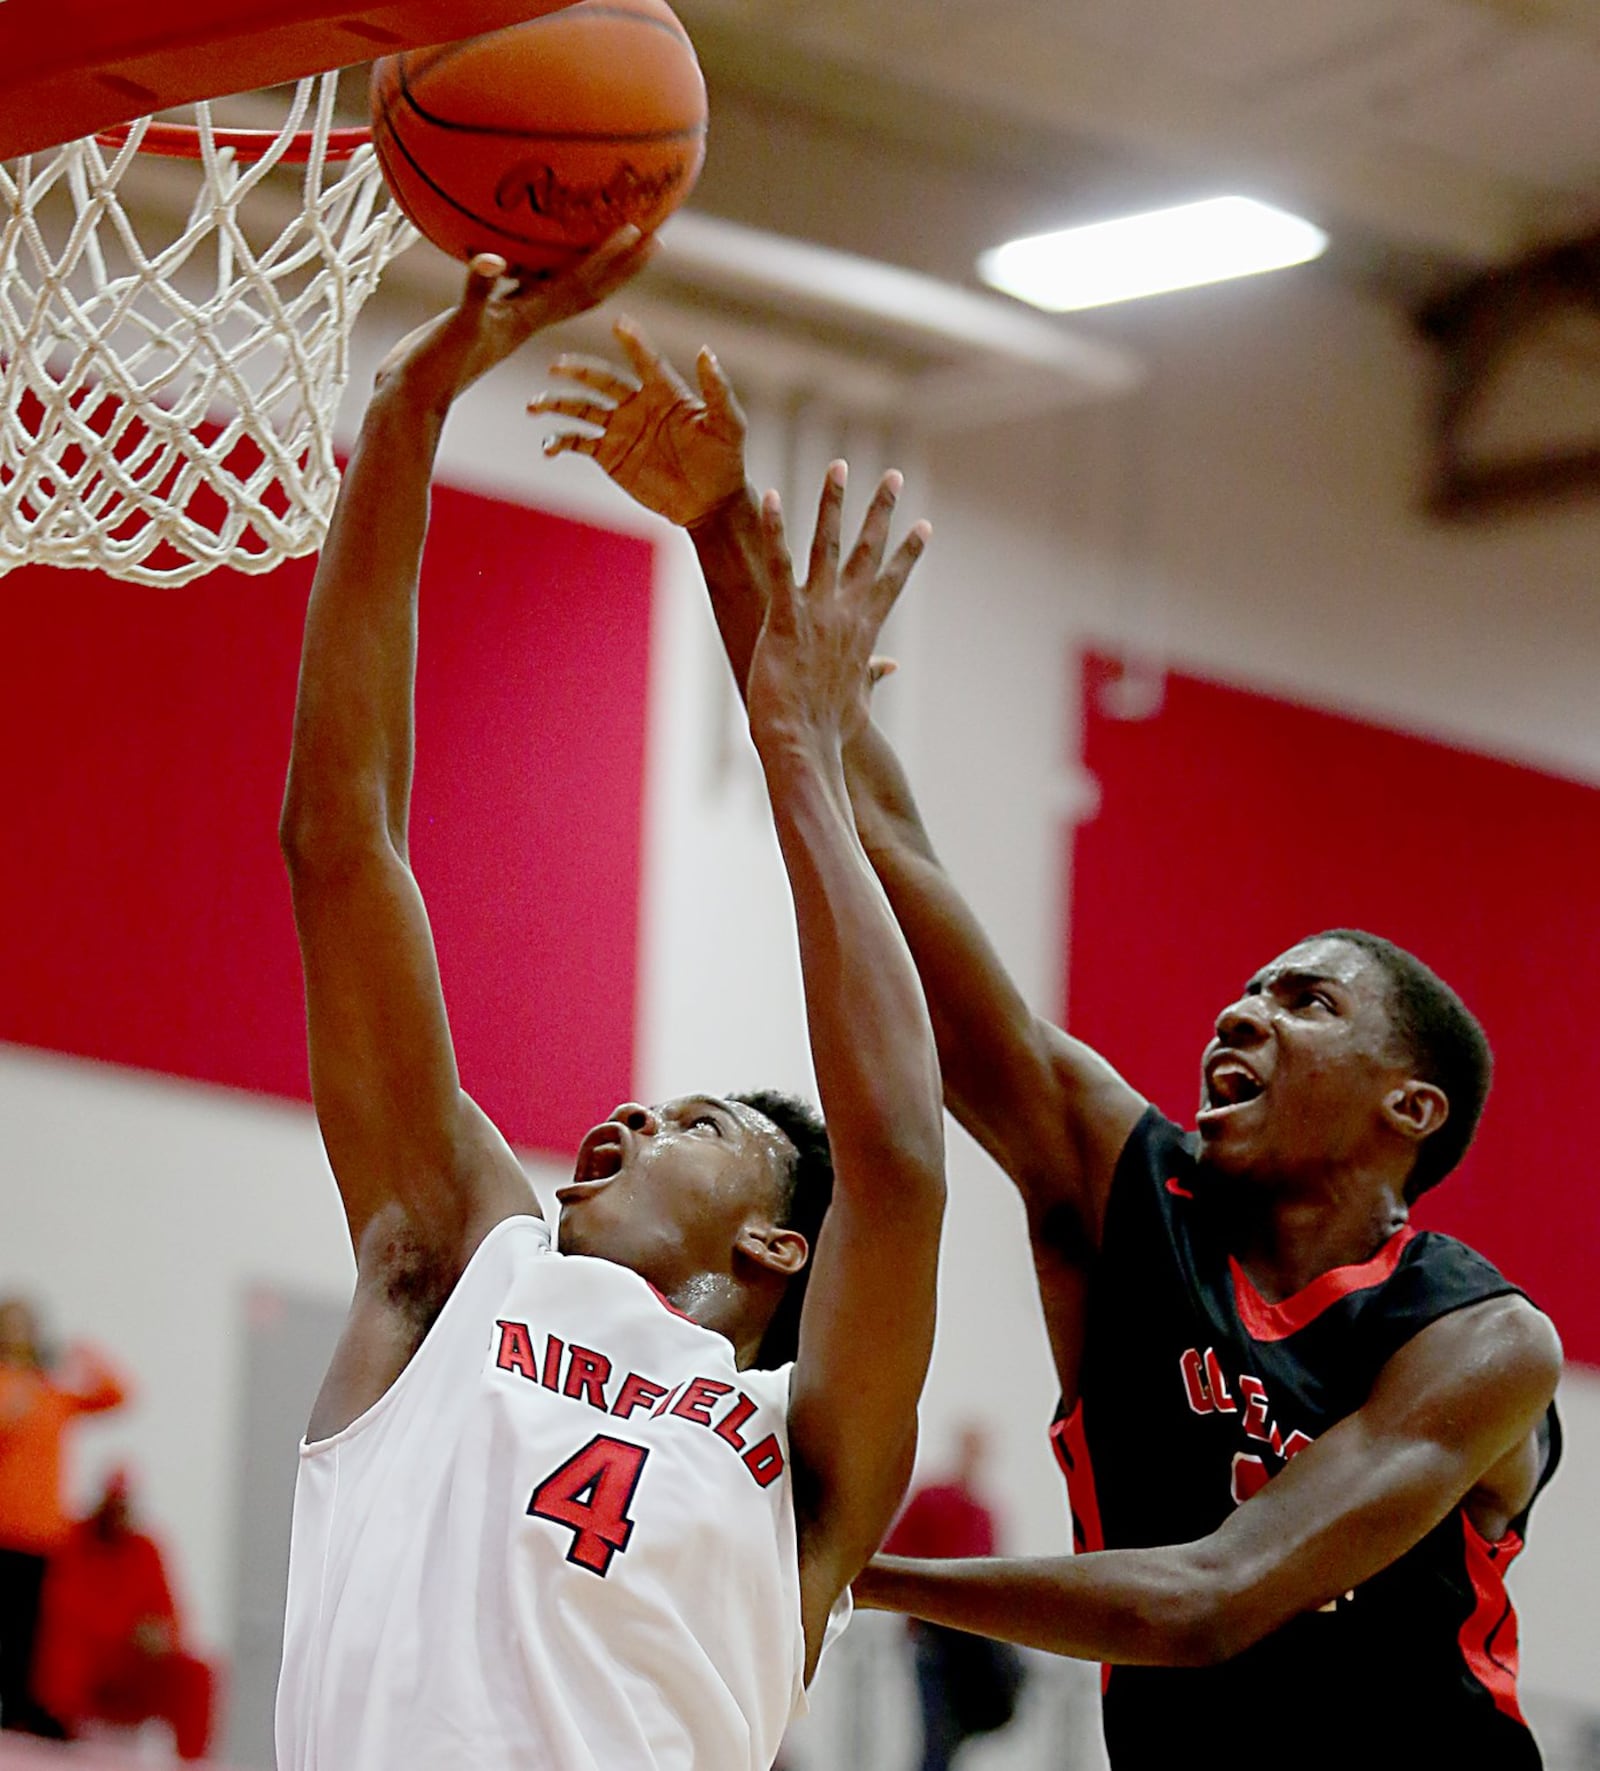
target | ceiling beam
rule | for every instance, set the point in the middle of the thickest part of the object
(1480, 328)
(1044, 119)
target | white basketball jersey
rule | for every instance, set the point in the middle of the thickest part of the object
(564, 1540)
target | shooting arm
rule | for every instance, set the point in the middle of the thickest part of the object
(1455, 1408)
(398, 1129)
(397, 1126)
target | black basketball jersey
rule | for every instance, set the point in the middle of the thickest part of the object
(1194, 1392)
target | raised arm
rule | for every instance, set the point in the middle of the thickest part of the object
(417, 1164)
(866, 1329)
(1051, 1111)
(1452, 1421)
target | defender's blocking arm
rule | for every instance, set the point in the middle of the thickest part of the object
(1451, 1422)
(864, 1343)
(1051, 1111)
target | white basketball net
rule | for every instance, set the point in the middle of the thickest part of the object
(167, 404)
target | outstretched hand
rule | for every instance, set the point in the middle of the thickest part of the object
(442, 358)
(679, 453)
(812, 674)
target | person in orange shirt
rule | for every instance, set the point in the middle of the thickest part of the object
(110, 1643)
(39, 1400)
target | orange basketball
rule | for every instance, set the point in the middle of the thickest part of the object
(538, 141)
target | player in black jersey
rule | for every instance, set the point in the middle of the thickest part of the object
(1301, 1439)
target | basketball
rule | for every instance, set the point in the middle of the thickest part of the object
(538, 141)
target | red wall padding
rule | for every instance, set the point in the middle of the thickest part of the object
(1231, 824)
(145, 914)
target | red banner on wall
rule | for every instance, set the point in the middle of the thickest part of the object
(144, 911)
(1232, 824)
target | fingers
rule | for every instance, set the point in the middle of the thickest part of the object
(553, 405)
(782, 595)
(572, 442)
(867, 554)
(592, 278)
(630, 257)
(825, 539)
(892, 580)
(881, 585)
(598, 376)
(616, 258)
(483, 276)
(644, 359)
(717, 392)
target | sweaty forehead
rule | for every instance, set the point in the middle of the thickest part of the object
(1339, 962)
(776, 1139)
(736, 1116)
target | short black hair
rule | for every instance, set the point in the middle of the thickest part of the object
(810, 1192)
(1443, 1039)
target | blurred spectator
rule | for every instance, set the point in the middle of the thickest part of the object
(110, 1644)
(39, 1398)
(966, 1685)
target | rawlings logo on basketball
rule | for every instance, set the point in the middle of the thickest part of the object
(539, 140)
(627, 195)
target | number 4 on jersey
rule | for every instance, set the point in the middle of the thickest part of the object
(590, 1494)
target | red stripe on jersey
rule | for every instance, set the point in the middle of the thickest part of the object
(1071, 1447)
(667, 1304)
(1488, 1638)
(1276, 1322)
(1067, 1441)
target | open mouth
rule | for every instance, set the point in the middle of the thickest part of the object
(1230, 1083)
(600, 1159)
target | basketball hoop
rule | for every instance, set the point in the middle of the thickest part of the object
(167, 405)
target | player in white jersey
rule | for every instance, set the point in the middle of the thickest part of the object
(570, 1508)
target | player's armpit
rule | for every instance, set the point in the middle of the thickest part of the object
(1445, 1418)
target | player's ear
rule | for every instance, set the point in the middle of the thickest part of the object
(1416, 1109)
(773, 1247)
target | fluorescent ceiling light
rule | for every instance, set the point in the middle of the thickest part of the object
(1150, 254)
